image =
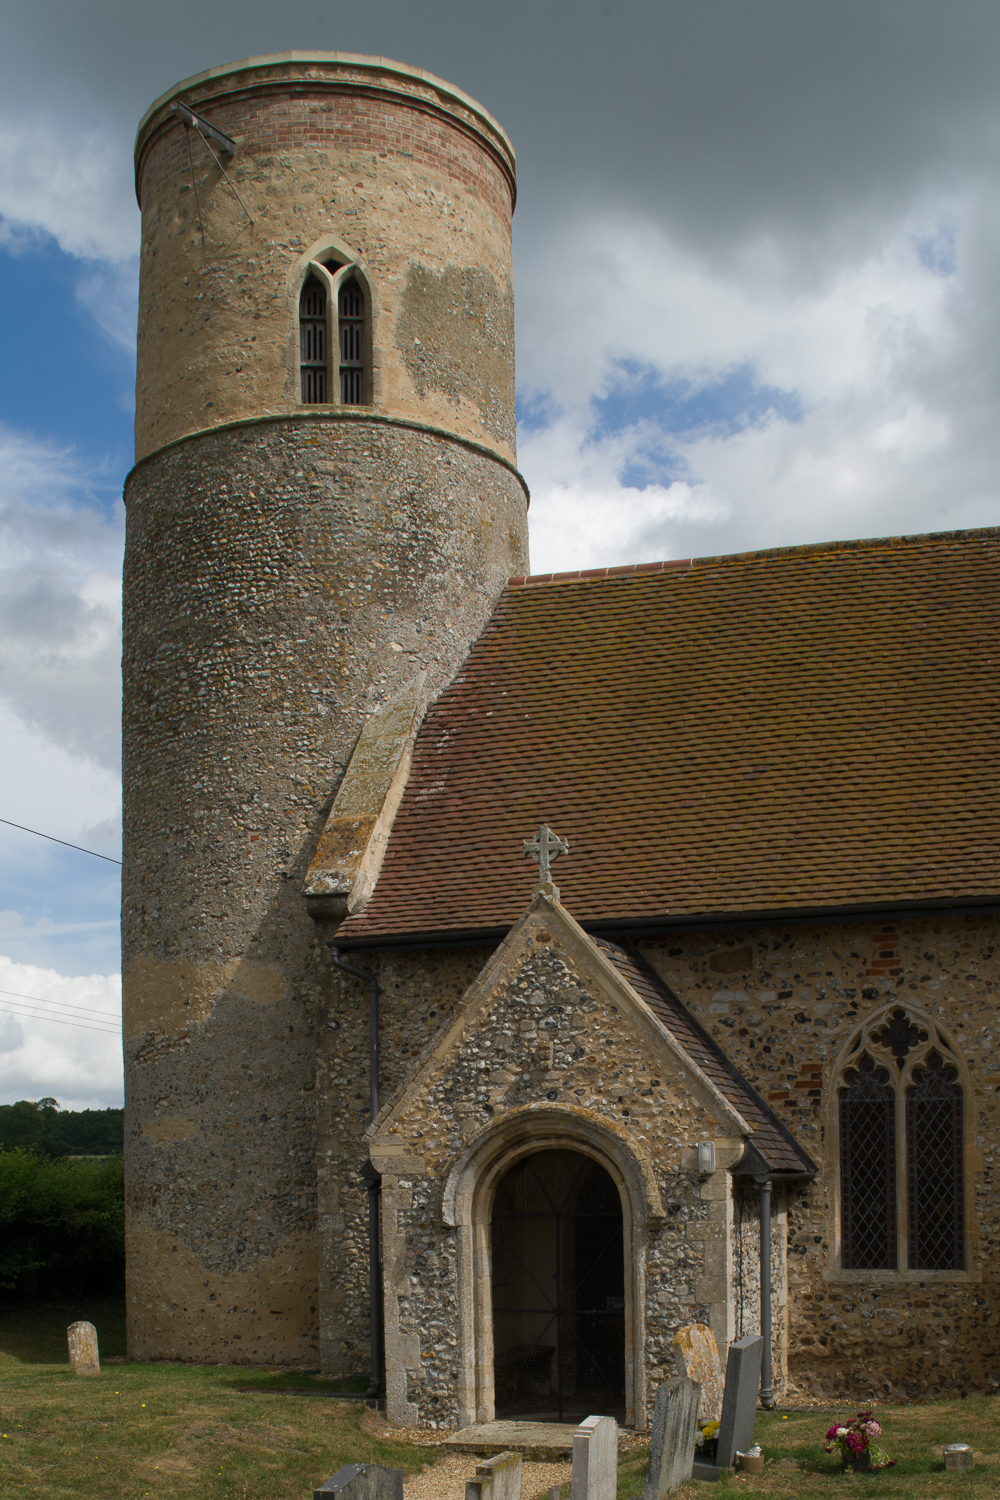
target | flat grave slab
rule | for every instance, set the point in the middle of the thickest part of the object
(541, 1442)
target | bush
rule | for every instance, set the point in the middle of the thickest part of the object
(62, 1226)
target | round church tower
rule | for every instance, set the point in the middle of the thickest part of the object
(324, 504)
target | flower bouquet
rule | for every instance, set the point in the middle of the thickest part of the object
(856, 1441)
(707, 1441)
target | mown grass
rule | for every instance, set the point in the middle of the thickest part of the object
(141, 1431)
(165, 1430)
(799, 1468)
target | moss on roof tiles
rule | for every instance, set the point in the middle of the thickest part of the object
(810, 727)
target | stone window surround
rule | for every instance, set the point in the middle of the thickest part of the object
(937, 1034)
(468, 1207)
(310, 264)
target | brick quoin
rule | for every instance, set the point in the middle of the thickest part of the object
(885, 943)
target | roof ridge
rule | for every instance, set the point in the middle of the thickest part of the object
(627, 570)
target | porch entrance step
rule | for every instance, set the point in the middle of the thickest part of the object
(539, 1442)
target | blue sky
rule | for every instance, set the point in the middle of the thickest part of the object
(756, 254)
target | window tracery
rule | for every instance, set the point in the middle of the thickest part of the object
(900, 1118)
(334, 335)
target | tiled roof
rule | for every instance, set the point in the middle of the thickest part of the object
(807, 729)
(777, 1147)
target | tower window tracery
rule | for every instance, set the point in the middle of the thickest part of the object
(352, 344)
(333, 336)
(900, 1121)
(313, 341)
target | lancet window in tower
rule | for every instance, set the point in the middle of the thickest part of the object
(313, 341)
(900, 1107)
(351, 311)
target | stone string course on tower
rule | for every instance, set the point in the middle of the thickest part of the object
(288, 569)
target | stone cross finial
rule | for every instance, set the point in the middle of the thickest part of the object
(545, 847)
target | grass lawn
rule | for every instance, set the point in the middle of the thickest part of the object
(149, 1430)
(232, 1434)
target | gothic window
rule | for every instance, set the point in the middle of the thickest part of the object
(868, 1169)
(900, 1118)
(934, 1167)
(352, 344)
(312, 341)
(333, 336)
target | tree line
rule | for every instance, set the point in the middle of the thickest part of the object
(62, 1201)
(41, 1125)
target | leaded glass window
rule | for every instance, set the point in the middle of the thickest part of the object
(934, 1167)
(900, 1105)
(868, 1169)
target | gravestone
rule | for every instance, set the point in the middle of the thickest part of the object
(496, 1478)
(699, 1353)
(595, 1459)
(958, 1456)
(363, 1482)
(83, 1356)
(671, 1448)
(739, 1401)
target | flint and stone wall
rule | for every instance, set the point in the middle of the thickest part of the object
(287, 569)
(784, 1003)
(548, 1038)
(745, 1261)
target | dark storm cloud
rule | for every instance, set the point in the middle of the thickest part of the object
(720, 117)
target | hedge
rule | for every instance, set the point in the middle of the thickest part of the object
(62, 1226)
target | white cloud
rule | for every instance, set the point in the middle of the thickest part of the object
(80, 1067)
(109, 294)
(11, 1037)
(582, 515)
(60, 589)
(883, 368)
(67, 182)
(54, 788)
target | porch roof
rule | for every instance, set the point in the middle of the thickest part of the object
(779, 1151)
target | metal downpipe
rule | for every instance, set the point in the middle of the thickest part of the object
(766, 1373)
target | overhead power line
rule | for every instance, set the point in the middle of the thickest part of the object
(78, 847)
(26, 1015)
(88, 1011)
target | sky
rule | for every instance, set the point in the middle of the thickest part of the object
(756, 252)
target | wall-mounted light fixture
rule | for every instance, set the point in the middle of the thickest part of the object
(706, 1157)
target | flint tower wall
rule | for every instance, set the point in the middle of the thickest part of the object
(289, 566)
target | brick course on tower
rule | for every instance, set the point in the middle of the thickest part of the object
(288, 568)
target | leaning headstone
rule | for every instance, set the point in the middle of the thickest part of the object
(697, 1349)
(671, 1448)
(83, 1356)
(363, 1482)
(739, 1401)
(595, 1459)
(496, 1478)
(958, 1456)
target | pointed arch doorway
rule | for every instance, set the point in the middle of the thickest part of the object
(558, 1290)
